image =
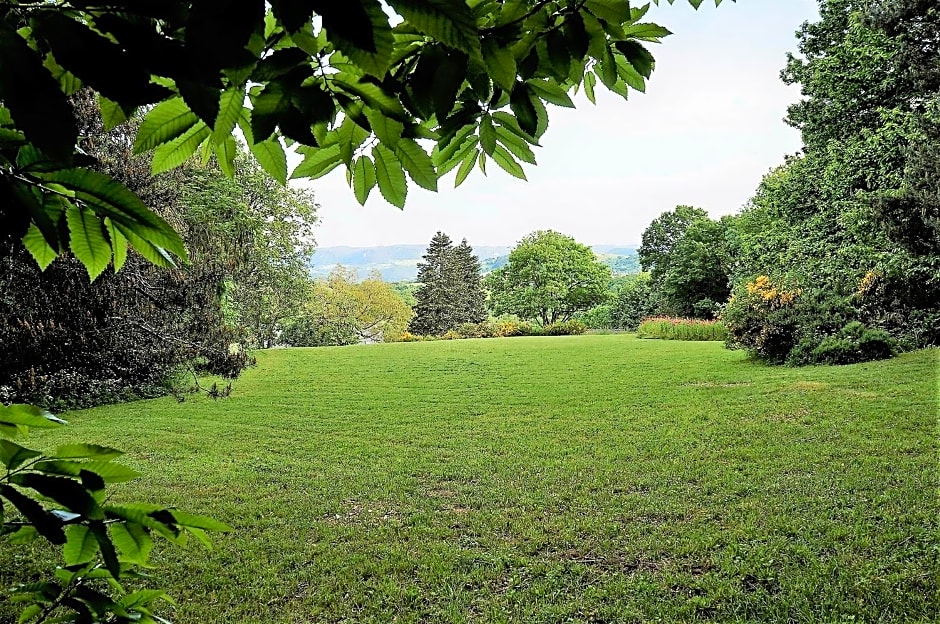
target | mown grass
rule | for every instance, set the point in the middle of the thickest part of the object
(583, 478)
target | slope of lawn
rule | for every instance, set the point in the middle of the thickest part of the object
(590, 478)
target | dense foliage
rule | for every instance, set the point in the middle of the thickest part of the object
(549, 278)
(342, 310)
(67, 342)
(852, 222)
(451, 291)
(345, 83)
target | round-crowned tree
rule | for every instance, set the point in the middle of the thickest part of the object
(549, 277)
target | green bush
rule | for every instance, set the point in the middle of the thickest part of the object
(573, 327)
(668, 328)
(853, 343)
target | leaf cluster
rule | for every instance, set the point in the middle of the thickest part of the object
(61, 497)
(344, 83)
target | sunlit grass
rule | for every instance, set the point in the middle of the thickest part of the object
(583, 478)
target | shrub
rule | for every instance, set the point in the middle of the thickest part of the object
(668, 328)
(762, 318)
(566, 328)
(598, 317)
(451, 334)
(853, 343)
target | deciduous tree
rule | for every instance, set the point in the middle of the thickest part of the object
(549, 277)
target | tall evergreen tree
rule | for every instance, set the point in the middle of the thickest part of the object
(435, 310)
(471, 305)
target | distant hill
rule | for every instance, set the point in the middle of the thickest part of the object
(399, 263)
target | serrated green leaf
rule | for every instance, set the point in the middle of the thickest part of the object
(448, 21)
(388, 130)
(28, 416)
(112, 115)
(614, 11)
(481, 161)
(318, 163)
(522, 106)
(458, 155)
(230, 110)
(550, 92)
(174, 153)
(373, 95)
(466, 166)
(417, 163)
(38, 247)
(132, 541)
(589, 83)
(390, 176)
(508, 164)
(23, 535)
(118, 244)
(225, 152)
(12, 455)
(80, 545)
(646, 32)
(630, 75)
(29, 613)
(639, 57)
(85, 451)
(109, 471)
(167, 121)
(193, 521)
(500, 64)
(487, 134)
(112, 199)
(519, 148)
(363, 178)
(270, 155)
(87, 240)
(373, 62)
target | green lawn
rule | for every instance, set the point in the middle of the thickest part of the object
(589, 478)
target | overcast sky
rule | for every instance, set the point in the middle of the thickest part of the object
(705, 132)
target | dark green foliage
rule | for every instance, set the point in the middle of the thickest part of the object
(351, 83)
(436, 307)
(309, 331)
(786, 324)
(451, 289)
(471, 300)
(62, 498)
(662, 235)
(635, 300)
(856, 216)
(689, 257)
(852, 344)
(695, 281)
(66, 342)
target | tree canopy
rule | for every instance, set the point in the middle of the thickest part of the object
(549, 277)
(343, 83)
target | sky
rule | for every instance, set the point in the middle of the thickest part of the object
(709, 126)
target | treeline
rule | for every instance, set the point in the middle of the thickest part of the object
(835, 258)
(67, 342)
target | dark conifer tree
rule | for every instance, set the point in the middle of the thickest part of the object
(471, 306)
(436, 299)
